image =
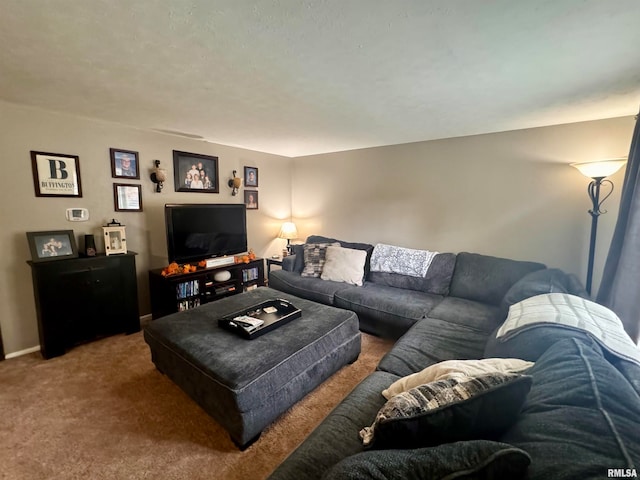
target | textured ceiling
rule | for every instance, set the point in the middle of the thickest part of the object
(298, 77)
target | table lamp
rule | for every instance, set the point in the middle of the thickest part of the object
(289, 232)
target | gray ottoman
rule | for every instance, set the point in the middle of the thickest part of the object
(246, 384)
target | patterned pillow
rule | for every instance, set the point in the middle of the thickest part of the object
(449, 410)
(314, 258)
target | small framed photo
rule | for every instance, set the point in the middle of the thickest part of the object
(56, 175)
(251, 199)
(124, 164)
(250, 176)
(52, 245)
(193, 172)
(127, 197)
(115, 240)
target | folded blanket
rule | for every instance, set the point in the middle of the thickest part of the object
(405, 261)
(570, 311)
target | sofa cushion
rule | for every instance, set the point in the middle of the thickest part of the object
(354, 245)
(337, 436)
(314, 258)
(387, 304)
(431, 341)
(436, 281)
(463, 408)
(471, 460)
(461, 311)
(306, 287)
(344, 265)
(581, 416)
(485, 278)
(548, 280)
(456, 369)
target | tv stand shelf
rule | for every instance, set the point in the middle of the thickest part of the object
(188, 290)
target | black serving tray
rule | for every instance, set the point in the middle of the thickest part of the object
(284, 314)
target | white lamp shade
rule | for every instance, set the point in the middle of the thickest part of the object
(600, 169)
(288, 231)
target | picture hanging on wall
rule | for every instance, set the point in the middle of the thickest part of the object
(251, 199)
(124, 163)
(250, 176)
(194, 172)
(127, 197)
(56, 175)
(52, 245)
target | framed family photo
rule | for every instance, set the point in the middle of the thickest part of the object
(52, 245)
(127, 197)
(194, 172)
(56, 175)
(251, 199)
(250, 176)
(124, 164)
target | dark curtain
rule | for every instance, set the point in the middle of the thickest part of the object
(620, 286)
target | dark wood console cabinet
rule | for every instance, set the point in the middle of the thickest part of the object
(182, 292)
(81, 299)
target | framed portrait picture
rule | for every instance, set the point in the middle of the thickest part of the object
(124, 164)
(193, 172)
(56, 175)
(127, 197)
(250, 176)
(251, 199)
(52, 245)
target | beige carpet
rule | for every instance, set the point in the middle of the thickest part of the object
(103, 411)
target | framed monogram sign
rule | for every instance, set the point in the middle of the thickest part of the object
(56, 175)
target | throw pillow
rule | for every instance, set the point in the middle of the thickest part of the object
(456, 369)
(448, 411)
(475, 459)
(344, 265)
(314, 258)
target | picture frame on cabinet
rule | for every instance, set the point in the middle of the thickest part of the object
(56, 174)
(194, 172)
(124, 164)
(51, 245)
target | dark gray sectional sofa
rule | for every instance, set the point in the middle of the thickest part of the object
(581, 417)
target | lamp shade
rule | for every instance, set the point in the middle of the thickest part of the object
(600, 169)
(288, 231)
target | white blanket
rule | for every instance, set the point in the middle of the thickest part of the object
(405, 261)
(570, 311)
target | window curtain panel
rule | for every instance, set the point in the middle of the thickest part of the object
(621, 275)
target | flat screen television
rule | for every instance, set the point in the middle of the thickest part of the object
(199, 231)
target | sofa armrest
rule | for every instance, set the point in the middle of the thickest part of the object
(288, 263)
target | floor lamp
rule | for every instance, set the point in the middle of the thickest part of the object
(597, 172)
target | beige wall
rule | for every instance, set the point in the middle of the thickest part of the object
(25, 129)
(508, 194)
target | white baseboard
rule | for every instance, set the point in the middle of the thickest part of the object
(22, 352)
(143, 320)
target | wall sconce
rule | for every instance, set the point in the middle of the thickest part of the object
(158, 176)
(597, 171)
(289, 232)
(235, 183)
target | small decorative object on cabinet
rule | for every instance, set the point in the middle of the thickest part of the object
(182, 291)
(115, 239)
(81, 299)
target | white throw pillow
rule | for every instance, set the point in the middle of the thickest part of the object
(456, 369)
(344, 265)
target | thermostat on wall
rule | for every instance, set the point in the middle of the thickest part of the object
(77, 214)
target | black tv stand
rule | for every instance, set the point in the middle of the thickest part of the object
(174, 293)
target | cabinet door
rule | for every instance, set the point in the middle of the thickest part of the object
(106, 299)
